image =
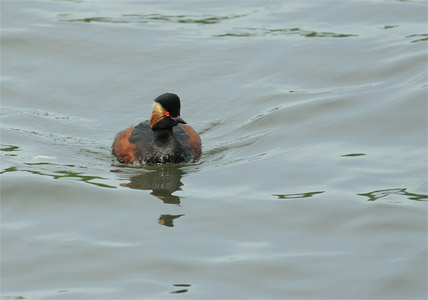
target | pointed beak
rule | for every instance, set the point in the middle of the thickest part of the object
(178, 119)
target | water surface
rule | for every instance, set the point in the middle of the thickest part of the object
(313, 179)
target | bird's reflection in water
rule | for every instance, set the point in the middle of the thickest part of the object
(168, 220)
(163, 181)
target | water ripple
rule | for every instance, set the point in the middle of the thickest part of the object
(419, 37)
(147, 18)
(297, 195)
(252, 32)
(376, 195)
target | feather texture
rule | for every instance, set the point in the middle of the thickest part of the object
(158, 114)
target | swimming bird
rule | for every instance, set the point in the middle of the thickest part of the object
(164, 139)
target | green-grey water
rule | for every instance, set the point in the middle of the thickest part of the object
(313, 178)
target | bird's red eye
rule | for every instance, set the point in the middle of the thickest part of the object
(167, 114)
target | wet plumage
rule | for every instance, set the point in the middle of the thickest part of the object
(163, 139)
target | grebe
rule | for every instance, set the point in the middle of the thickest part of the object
(164, 139)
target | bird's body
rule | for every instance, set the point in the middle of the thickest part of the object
(163, 139)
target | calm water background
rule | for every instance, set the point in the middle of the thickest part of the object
(313, 181)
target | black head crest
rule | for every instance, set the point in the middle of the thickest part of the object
(170, 102)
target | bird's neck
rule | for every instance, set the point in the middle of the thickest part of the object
(163, 136)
